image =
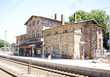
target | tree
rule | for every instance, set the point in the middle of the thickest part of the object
(78, 16)
(2, 43)
(99, 15)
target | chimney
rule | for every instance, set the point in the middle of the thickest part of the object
(55, 16)
(62, 19)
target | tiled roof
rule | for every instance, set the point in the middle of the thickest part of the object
(42, 18)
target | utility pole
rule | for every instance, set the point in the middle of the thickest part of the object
(18, 49)
(108, 31)
(109, 41)
(75, 18)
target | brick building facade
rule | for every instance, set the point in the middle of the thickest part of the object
(81, 40)
(31, 42)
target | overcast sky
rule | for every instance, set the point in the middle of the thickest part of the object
(14, 13)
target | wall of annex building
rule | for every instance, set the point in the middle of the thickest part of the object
(68, 41)
(62, 44)
(91, 38)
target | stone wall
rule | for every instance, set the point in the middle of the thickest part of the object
(92, 36)
(79, 40)
(60, 40)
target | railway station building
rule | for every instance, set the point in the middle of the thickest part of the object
(82, 40)
(30, 43)
(46, 36)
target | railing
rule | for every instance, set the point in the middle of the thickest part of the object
(30, 40)
(29, 37)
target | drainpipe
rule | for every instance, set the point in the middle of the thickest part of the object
(55, 16)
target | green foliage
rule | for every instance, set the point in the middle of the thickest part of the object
(78, 16)
(2, 43)
(99, 15)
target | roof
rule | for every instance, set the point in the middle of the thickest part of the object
(42, 18)
(21, 35)
(93, 21)
(80, 22)
(85, 21)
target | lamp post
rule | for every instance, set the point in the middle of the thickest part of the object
(5, 40)
(18, 50)
(42, 40)
(75, 17)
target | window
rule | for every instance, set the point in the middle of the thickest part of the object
(33, 34)
(38, 35)
(38, 21)
(33, 23)
(81, 29)
(100, 43)
(29, 25)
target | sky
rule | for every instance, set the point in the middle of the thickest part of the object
(14, 13)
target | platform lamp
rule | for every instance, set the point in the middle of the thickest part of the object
(42, 39)
(5, 46)
(18, 49)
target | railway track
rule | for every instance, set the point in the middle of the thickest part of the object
(4, 73)
(60, 70)
(50, 71)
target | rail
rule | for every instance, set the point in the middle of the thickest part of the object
(8, 72)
